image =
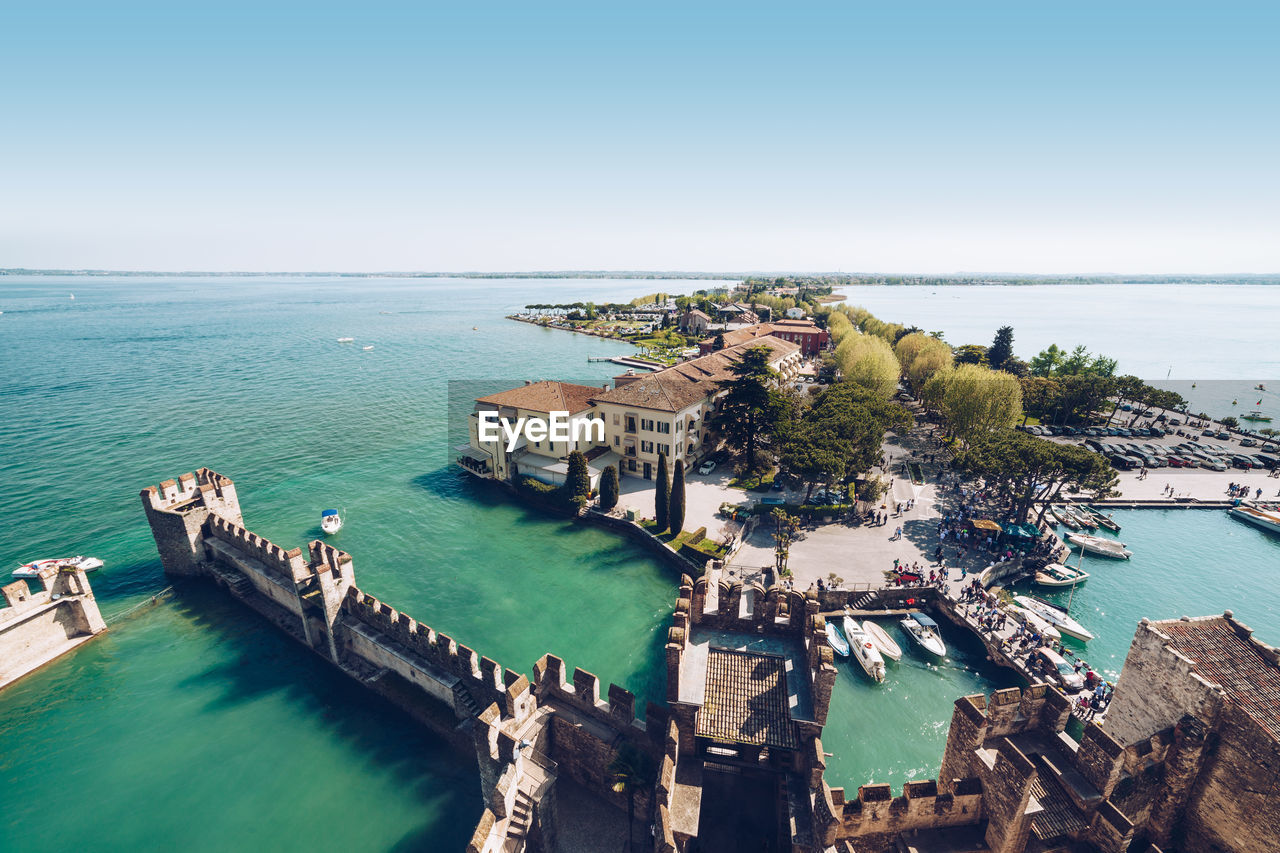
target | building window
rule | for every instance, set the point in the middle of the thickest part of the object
(664, 448)
(677, 450)
(616, 441)
(631, 464)
(646, 424)
(631, 424)
(664, 427)
(646, 447)
(679, 426)
(616, 419)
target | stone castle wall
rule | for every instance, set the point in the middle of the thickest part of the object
(37, 627)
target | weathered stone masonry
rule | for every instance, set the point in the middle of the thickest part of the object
(36, 628)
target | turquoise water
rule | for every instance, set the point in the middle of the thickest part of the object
(138, 380)
(193, 724)
(1185, 563)
(1219, 337)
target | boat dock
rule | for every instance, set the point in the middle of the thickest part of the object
(628, 361)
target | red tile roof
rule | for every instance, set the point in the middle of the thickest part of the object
(545, 396)
(1222, 656)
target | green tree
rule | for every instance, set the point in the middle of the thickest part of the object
(921, 356)
(1025, 470)
(868, 360)
(751, 409)
(577, 484)
(1230, 422)
(1047, 361)
(609, 488)
(971, 354)
(718, 343)
(676, 515)
(630, 770)
(662, 496)
(978, 400)
(1001, 349)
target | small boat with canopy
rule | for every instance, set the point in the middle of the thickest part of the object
(330, 521)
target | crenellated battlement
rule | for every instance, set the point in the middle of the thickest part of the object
(480, 673)
(747, 607)
(287, 562)
(207, 485)
(325, 557)
(582, 692)
(876, 811)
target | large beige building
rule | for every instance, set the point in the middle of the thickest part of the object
(644, 415)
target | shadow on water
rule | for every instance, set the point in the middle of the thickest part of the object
(451, 483)
(260, 661)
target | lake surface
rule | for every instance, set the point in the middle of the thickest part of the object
(193, 724)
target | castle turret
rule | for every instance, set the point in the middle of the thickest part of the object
(177, 510)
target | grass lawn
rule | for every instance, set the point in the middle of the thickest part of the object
(706, 546)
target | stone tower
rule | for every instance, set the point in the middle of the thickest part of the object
(177, 510)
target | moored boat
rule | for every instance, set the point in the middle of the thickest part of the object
(1063, 518)
(887, 647)
(33, 569)
(1099, 545)
(838, 643)
(1267, 519)
(1081, 517)
(864, 650)
(1056, 574)
(1104, 519)
(1034, 621)
(924, 631)
(1056, 616)
(1256, 415)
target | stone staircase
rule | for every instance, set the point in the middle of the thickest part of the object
(518, 824)
(867, 598)
(466, 704)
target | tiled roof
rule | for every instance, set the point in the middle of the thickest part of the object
(746, 699)
(760, 330)
(545, 396)
(1225, 658)
(684, 384)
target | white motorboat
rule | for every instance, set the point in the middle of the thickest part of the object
(864, 650)
(345, 340)
(1099, 545)
(1080, 517)
(33, 569)
(366, 349)
(838, 643)
(1267, 519)
(330, 521)
(1056, 616)
(1056, 574)
(884, 643)
(924, 631)
(1034, 622)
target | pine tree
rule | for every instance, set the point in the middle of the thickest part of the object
(662, 499)
(677, 499)
(609, 488)
(1001, 349)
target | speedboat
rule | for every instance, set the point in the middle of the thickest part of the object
(924, 631)
(1080, 517)
(330, 521)
(884, 643)
(345, 340)
(1056, 616)
(864, 650)
(1256, 415)
(33, 569)
(1056, 574)
(1099, 545)
(1034, 622)
(366, 349)
(1267, 519)
(837, 640)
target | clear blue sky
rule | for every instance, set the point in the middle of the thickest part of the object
(1034, 137)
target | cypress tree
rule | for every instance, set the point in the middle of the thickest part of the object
(677, 499)
(662, 500)
(609, 488)
(577, 484)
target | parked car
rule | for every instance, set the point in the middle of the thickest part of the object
(1213, 465)
(1208, 432)
(1248, 442)
(707, 467)
(1263, 460)
(1243, 462)
(1175, 422)
(1055, 669)
(1224, 436)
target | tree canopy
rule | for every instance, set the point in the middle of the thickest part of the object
(868, 361)
(975, 399)
(921, 356)
(752, 408)
(1025, 469)
(1001, 349)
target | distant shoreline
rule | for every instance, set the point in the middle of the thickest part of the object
(833, 279)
